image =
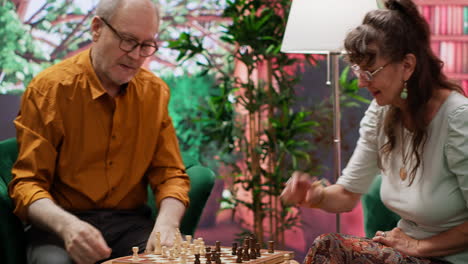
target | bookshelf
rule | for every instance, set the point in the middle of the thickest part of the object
(448, 20)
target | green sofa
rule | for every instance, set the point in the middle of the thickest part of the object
(376, 215)
(11, 228)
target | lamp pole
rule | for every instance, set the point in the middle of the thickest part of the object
(333, 70)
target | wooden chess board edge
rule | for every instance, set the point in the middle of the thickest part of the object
(277, 257)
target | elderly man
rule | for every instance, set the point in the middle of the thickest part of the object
(93, 132)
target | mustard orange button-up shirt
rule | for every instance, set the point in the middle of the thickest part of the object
(86, 150)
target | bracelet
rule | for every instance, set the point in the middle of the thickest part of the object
(322, 195)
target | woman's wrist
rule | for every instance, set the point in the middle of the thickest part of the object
(321, 199)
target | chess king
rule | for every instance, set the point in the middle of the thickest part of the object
(93, 132)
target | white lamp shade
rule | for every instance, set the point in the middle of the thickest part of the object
(320, 26)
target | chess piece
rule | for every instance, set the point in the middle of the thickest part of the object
(208, 257)
(218, 246)
(257, 250)
(135, 254)
(234, 248)
(157, 247)
(197, 259)
(207, 250)
(271, 246)
(253, 253)
(245, 254)
(218, 258)
(188, 238)
(239, 255)
(288, 259)
(164, 251)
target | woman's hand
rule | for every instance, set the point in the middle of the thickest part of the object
(302, 190)
(398, 240)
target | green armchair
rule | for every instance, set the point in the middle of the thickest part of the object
(376, 215)
(11, 229)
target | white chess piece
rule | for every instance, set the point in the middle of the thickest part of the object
(164, 251)
(135, 253)
(188, 238)
(288, 259)
(157, 248)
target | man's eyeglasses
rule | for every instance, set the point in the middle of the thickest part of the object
(366, 75)
(129, 44)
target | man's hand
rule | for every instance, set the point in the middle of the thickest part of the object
(84, 242)
(170, 213)
(167, 237)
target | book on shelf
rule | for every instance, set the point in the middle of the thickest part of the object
(448, 22)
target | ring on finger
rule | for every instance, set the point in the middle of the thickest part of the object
(383, 234)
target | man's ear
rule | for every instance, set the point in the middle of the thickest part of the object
(96, 28)
(409, 64)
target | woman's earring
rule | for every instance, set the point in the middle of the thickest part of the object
(404, 92)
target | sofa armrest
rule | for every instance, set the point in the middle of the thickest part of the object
(11, 231)
(202, 180)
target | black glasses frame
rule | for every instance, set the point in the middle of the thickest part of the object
(129, 44)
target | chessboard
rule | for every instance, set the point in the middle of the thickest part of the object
(226, 257)
(194, 251)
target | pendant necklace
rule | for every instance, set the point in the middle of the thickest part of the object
(403, 172)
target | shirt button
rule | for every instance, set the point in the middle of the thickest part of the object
(114, 137)
(110, 163)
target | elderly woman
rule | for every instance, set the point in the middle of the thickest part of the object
(415, 133)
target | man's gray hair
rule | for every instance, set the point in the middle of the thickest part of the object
(107, 8)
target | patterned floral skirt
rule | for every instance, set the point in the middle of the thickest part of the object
(344, 249)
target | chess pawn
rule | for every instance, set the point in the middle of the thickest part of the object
(218, 258)
(257, 250)
(271, 246)
(253, 252)
(135, 253)
(218, 246)
(164, 251)
(207, 251)
(208, 257)
(188, 238)
(183, 259)
(202, 249)
(234, 248)
(288, 259)
(191, 249)
(197, 259)
(239, 255)
(245, 255)
(157, 247)
(185, 244)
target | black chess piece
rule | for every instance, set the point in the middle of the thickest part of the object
(197, 259)
(271, 246)
(245, 254)
(257, 250)
(208, 257)
(239, 255)
(218, 246)
(234, 248)
(218, 258)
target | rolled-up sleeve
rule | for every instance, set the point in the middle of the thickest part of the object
(38, 129)
(167, 174)
(363, 164)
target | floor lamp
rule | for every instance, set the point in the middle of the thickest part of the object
(319, 27)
